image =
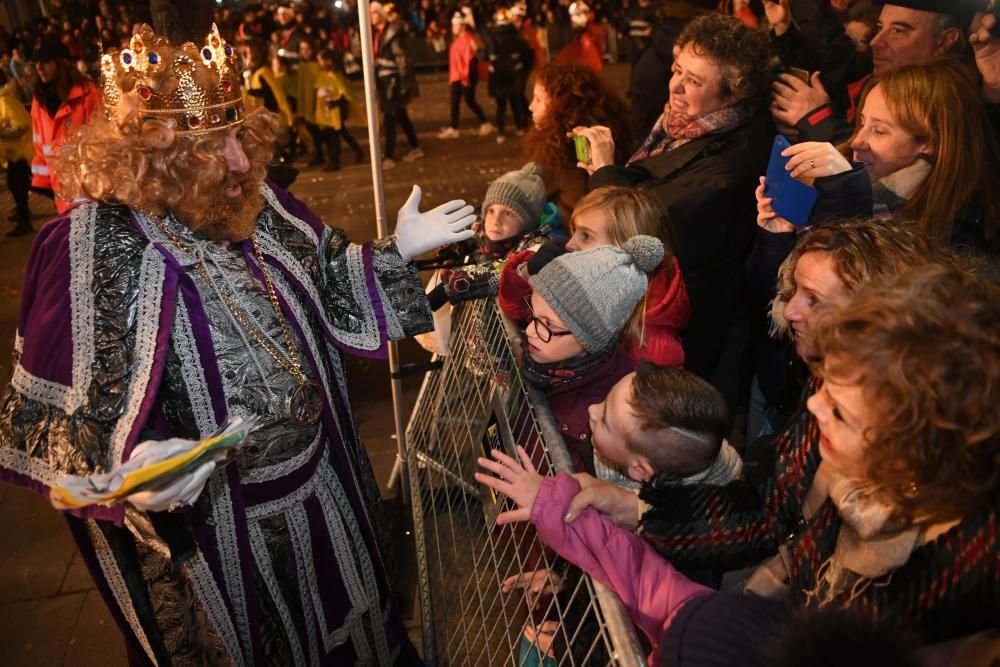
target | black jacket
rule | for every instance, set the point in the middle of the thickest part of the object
(707, 187)
(510, 58)
(649, 91)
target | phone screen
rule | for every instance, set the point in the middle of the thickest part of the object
(582, 146)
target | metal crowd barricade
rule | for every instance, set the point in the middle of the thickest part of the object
(477, 401)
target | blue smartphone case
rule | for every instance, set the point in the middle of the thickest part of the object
(793, 199)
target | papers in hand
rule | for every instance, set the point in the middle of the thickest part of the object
(138, 474)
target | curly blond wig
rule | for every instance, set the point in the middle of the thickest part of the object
(151, 167)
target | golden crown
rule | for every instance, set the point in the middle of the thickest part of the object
(195, 90)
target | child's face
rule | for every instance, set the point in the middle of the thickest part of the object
(325, 64)
(502, 222)
(549, 341)
(590, 229)
(612, 423)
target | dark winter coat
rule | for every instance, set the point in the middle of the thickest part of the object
(510, 58)
(570, 401)
(395, 77)
(707, 187)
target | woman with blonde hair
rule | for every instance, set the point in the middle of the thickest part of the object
(922, 149)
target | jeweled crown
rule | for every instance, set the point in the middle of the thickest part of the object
(196, 90)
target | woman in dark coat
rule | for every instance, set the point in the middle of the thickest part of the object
(703, 159)
(510, 58)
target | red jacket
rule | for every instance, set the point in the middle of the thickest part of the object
(49, 133)
(461, 53)
(585, 47)
(531, 37)
(667, 311)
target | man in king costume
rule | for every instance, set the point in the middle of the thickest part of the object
(187, 291)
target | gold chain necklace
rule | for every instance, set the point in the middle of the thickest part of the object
(306, 406)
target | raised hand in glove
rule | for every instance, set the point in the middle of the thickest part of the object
(177, 492)
(417, 232)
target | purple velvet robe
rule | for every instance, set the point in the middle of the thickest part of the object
(278, 563)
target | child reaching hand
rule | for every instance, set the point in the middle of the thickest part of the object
(649, 587)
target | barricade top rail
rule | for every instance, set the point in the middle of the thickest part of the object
(489, 594)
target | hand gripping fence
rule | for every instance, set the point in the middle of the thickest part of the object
(553, 614)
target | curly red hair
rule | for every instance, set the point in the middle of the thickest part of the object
(925, 347)
(577, 96)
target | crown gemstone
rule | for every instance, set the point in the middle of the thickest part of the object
(153, 58)
(231, 115)
(215, 119)
(193, 121)
(206, 53)
(228, 50)
(145, 93)
(127, 57)
(215, 42)
(227, 85)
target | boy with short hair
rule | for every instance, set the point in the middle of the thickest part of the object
(666, 423)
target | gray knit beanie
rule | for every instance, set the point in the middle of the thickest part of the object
(522, 190)
(595, 291)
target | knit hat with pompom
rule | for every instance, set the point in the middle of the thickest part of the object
(595, 291)
(521, 190)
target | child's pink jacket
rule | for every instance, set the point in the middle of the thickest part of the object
(649, 587)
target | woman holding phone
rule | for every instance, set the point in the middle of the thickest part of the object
(702, 161)
(566, 95)
(922, 149)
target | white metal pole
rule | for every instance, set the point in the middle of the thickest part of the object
(378, 191)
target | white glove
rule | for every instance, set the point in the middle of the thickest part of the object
(417, 232)
(183, 490)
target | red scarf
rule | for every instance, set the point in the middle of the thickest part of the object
(674, 129)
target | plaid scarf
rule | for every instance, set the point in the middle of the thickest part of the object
(673, 129)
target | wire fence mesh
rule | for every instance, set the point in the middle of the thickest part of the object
(495, 595)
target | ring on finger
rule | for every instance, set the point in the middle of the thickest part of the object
(812, 164)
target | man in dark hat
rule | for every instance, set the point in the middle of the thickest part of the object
(910, 32)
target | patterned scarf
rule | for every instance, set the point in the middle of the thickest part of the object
(871, 542)
(495, 250)
(673, 129)
(547, 376)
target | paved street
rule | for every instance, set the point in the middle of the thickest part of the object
(50, 613)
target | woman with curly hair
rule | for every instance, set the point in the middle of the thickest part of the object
(702, 160)
(914, 333)
(567, 95)
(900, 521)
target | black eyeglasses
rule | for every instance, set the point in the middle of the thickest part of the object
(543, 330)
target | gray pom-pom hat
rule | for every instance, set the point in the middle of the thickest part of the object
(595, 291)
(521, 190)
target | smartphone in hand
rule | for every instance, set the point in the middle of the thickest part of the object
(793, 199)
(582, 146)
